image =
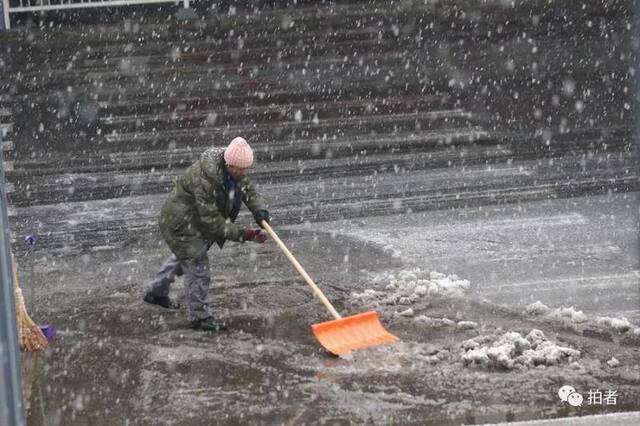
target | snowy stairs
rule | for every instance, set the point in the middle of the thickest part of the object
(352, 111)
(77, 186)
(118, 222)
(310, 112)
(137, 114)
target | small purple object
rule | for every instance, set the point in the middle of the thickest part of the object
(31, 240)
(49, 331)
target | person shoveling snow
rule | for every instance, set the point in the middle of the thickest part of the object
(200, 211)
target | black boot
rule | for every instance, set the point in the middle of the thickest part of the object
(165, 302)
(209, 324)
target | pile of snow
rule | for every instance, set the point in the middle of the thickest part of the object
(570, 316)
(434, 322)
(613, 362)
(444, 322)
(408, 286)
(621, 325)
(564, 314)
(511, 350)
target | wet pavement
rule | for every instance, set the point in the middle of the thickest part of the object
(119, 361)
(561, 252)
(404, 149)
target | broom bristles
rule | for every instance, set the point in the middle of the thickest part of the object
(30, 335)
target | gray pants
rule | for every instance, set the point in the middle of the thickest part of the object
(196, 283)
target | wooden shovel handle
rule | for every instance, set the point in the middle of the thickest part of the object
(302, 272)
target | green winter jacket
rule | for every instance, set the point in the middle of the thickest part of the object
(200, 210)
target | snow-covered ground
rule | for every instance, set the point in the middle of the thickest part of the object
(581, 252)
(465, 355)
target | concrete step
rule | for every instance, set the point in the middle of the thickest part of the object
(35, 189)
(265, 137)
(183, 99)
(145, 98)
(378, 18)
(126, 220)
(328, 70)
(586, 142)
(295, 149)
(264, 49)
(307, 127)
(247, 115)
(306, 47)
(68, 187)
(425, 58)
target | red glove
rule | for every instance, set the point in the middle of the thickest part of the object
(255, 234)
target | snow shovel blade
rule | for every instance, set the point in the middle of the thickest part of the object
(347, 334)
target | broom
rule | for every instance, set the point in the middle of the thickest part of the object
(29, 333)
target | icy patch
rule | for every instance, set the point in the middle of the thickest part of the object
(408, 286)
(621, 325)
(512, 351)
(570, 316)
(394, 358)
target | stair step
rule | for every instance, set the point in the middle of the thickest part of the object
(272, 114)
(340, 125)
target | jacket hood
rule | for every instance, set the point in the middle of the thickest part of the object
(213, 166)
(212, 163)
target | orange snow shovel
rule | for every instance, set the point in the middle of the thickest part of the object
(342, 335)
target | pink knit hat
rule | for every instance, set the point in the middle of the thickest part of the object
(238, 154)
